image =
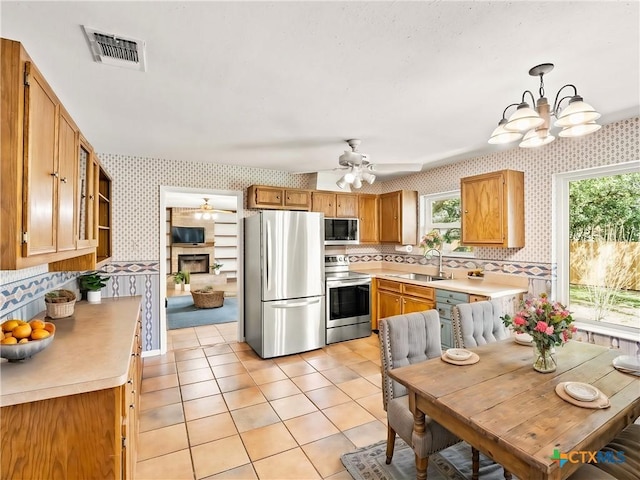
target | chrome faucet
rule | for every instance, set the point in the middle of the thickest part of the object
(440, 271)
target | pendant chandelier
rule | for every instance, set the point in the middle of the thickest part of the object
(576, 119)
(206, 211)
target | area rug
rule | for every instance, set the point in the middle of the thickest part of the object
(453, 463)
(182, 313)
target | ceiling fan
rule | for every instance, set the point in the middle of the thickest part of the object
(207, 211)
(360, 168)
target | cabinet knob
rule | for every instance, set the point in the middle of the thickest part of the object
(466, 211)
(91, 197)
(63, 179)
(277, 197)
(55, 174)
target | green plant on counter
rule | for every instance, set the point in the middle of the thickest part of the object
(216, 265)
(186, 276)
(178, 278)
(92, 281)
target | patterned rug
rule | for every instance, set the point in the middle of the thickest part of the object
(453, 463)
(181, 313)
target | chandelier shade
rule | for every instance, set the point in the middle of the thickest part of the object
(577, 119)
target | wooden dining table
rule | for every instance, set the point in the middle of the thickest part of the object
(511, 413)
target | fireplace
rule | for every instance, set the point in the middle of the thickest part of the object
(198, 263)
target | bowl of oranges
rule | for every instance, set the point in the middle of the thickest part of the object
(22, 339)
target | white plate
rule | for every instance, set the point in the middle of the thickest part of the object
(523, 338)
(628, 362)
(581, 391)
(459, 354)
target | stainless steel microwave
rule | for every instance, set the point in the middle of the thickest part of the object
(341, 231)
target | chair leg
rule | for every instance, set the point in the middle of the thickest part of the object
(421, 467)
(391, 443)
(475, 463)
(507, 474)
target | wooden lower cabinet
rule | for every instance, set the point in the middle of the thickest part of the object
(87, 435)
(396, 298)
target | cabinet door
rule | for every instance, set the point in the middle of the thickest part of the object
(389, 304)
(415, 304)
(296, 199)
(346, 205)
(324, 203)
(67, 229)
(87, 191)
(265, 196)
(390, 217)
(41, 176)
(482, 207)
(446, 333)
(368, 212)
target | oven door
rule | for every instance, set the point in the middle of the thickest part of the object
(348, 302)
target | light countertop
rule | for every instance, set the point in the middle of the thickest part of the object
(491, 285)
(91, 351)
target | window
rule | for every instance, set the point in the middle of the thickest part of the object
(597, 245)
(441, 211)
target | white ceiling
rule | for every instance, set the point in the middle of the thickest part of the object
(282, 85)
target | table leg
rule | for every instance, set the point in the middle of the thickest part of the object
(418, 430)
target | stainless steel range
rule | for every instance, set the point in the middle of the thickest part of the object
(348, 300)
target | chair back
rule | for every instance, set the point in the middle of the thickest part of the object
(478, 323)
(404, 340)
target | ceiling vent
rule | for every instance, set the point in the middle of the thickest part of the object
(116, 50)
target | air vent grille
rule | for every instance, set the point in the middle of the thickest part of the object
(116, 50)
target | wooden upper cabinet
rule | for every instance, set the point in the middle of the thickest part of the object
(399, 217)
(493, 209)
(88, 170)
(369, 218)
(68, 138)
(335, 205)
(324, 202)
(259, 196)
(39, 182)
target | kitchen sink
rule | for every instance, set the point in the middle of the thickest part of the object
(418, 276)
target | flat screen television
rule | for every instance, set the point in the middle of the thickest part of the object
(187, 235)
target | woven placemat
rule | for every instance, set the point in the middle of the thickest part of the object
(601, 402)
(474, 358)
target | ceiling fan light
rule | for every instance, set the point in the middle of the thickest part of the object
(523, 119)
(500, 135)
(577, 112)
(579, 130)
(197, 215)
(535, 139)
(206, 216)
(341, 183)
(349, 177)
(368, 177)
(357, 183)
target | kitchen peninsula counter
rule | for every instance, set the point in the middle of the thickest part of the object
(91, 351)
(492, 285)
(70, 411)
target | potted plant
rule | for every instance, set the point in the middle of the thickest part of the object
(216, 267)
(93, 283)
(178, 278)
(59, 303)
(186, 277)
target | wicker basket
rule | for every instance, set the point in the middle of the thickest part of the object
(61, 305)
(207, 298)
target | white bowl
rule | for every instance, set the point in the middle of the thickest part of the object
(581, 391)
(459, 354)
(22, 351)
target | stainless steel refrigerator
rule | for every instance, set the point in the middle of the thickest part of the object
(284, 282)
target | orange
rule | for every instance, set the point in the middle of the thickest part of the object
(39, 334)
(9, 325)
(9, 341)
(35, 324)
(23, 340)
(22, 331)
(7, 335)
(49, 327)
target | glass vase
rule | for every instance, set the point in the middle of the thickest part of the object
(544, 360)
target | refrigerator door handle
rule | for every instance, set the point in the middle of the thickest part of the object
(268, 265)
(297, 304)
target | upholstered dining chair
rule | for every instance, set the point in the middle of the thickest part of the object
(475, 324)
(404, 340)
(478, 323)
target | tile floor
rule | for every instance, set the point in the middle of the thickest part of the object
(212, 409)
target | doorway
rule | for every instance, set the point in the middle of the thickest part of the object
(224, 201)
